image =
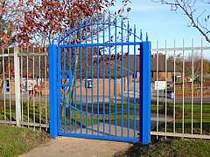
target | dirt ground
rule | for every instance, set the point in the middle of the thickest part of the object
(77, 147)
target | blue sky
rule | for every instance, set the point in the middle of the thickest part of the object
(161, 23)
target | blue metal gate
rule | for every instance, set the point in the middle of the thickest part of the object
(100, 82)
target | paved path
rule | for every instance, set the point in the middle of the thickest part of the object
(76, 147)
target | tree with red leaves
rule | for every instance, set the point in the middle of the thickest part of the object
(26, 22)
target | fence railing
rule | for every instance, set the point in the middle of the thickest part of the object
(24, 87)
(180, 89)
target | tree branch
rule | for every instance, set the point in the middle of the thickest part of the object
(188, 8)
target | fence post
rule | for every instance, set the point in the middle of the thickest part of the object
(53, 90)
(145, 92)
(17, 87)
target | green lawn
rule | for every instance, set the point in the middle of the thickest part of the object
(188, 109)
(169, 148)
(192, 115)
(33, 108)
(15, 141)
(76, 115)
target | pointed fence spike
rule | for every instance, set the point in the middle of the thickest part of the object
(104, 19)
(86, 20)
(104, 29)
(52, 39)
(128, 31)
(64, 35)
(141, 34)
(122, 27)
(69, 35)
(75, 25)
(80, 30)
(59, 38)
(147, 38)
(134, 32)
(75, 29)
(80, 24)
(86, 30)
(91, 28)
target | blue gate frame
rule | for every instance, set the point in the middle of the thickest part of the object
(58, 90)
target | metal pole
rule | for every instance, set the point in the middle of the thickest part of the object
(145, 92)
(202, 67)
(53, 94)
(183, 89)
(157, 79)
(166, 90)
(17, 87)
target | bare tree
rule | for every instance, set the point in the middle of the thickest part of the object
(199, 18)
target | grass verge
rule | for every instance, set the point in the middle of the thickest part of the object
(169, 148)
(15, 141)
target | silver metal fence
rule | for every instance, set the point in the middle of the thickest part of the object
(181, 95)
(24, 87)
(180, 88)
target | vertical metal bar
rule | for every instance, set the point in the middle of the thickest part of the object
(104, 107)
(58, 83)
(134, 88)
(4, 83)
(86, 53)
(174, 107)
(92, 76)
(122, 80)
(10, 101)
(166, 91)
(109, 69)
(81, 112)
(27, 82)
(201, 114)
(64, 103)
(64, 85)
(69, 89)
(98, 73)
(145, 94)
(40, 103)
(34, 92)
(70, 84)
(17, 87)
(183, 88)
(115, 80)
(157, 79)
(128, 83)
(75, 80)
(64, 50)
(192, 105)
(53, 89)
(45, 86)
(22, 94)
